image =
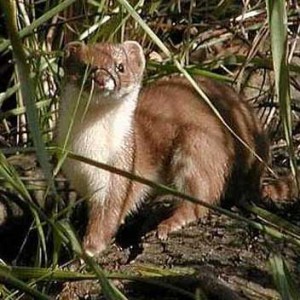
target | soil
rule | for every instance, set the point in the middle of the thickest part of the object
(221, 257)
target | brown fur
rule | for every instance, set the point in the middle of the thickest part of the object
(192, 150)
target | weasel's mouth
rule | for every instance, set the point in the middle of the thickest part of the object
(104, 83)
(100, 83)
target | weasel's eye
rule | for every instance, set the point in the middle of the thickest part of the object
(120, 68)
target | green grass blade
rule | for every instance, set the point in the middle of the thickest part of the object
(109, 290)
(146, 274)
(282, 224)
(13, 181)
(282, 278)
(277, 18)
(21, 110)
(27, 89)
(8, 278)
(11, 178)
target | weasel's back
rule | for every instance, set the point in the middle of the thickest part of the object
(171, 111)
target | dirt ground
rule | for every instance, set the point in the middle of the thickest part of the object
(222, 257)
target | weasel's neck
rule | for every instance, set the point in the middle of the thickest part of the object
(101, 128)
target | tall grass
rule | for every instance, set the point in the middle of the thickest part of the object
(210, 38)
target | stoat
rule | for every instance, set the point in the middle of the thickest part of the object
(164, 132)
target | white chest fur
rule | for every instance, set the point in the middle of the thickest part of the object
(99, 135)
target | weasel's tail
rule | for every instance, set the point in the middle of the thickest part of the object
(280, 191)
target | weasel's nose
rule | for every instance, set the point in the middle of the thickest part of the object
(100, 76)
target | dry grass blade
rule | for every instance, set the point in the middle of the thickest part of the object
(30, 29)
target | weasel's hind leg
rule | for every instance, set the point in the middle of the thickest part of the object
(199, 168)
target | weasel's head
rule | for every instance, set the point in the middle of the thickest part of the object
(105, 69)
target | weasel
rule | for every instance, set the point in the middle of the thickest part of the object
(164, 132)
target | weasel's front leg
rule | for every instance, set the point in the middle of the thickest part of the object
(101, 227)
(105, 215)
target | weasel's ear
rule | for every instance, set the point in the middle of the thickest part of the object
(73, 56)
(73, 48)
(135, 55)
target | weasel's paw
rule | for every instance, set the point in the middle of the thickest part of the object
(92, 247)
(168, 226)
